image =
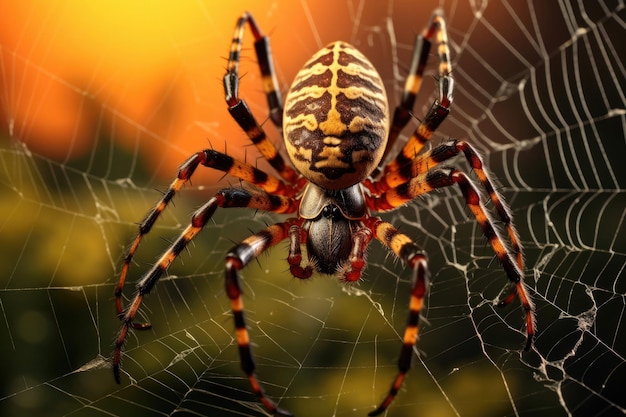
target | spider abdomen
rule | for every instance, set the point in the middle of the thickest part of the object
(336, 118)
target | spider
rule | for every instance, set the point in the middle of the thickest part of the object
(335, 124)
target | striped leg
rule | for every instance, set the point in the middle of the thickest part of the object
(426, 161)
(208, 158)
(414, 258)
(403, 112)
(435, 31)
(237, 258)
(238, 108)
(444, 177)
(227, 198)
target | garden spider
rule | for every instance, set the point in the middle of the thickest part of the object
(337, 133)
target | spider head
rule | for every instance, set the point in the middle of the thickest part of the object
(336, 118)
(332, 217)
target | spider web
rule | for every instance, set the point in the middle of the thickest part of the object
(101, 103)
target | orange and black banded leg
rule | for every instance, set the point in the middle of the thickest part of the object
(435, 31)
(211, 159)
(426, 161)
(444, 177)
(403, 112)
(450, 149)
(226, 198)
(238, 108)
(236, 259)
(442, 153)
(414, 258)
(185, 172)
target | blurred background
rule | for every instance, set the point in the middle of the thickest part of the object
(101, 102)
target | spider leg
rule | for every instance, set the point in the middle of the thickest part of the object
(226, 198)
(211, 159)
(236, 259)
(238, 108)
(297, 237)
(434, 31)
(414, 258)
(444, 177)
(444, 152)
(356, 261)
(265, 62)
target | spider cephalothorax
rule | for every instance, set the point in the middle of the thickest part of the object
(337, 133)
(332, 218)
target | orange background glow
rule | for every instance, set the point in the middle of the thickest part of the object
(141, 72)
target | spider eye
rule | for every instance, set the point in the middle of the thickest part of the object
(332, 212)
